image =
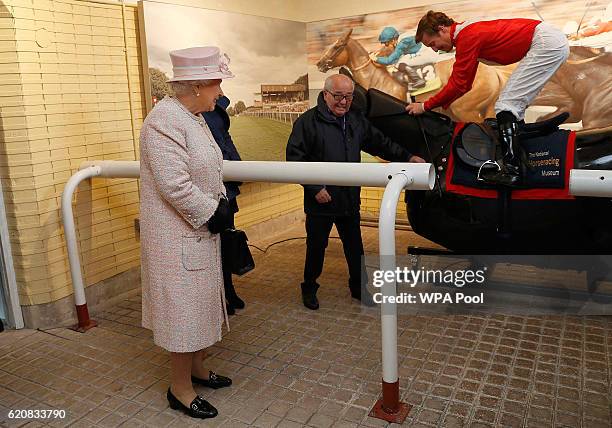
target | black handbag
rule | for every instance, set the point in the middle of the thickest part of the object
(234, 246)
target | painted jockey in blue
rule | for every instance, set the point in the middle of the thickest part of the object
(406, 46)
(393, 50)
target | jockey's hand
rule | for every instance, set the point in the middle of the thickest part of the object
(323, 197)
(415, 108)
(416, 159)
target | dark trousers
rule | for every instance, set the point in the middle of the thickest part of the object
(225, 263)
(318, 228)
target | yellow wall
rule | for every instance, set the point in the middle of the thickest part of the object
(64, 99)
(371, 198)
(259, 202)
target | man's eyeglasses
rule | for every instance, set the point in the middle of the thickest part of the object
(340, 97)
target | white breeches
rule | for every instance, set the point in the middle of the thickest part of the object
(549, 49)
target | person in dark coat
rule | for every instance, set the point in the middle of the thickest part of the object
(331, 132)
(219, 123)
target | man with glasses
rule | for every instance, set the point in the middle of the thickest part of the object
(332, 132)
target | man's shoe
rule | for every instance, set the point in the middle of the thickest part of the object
(214, 381)
(310, 301)
(235, 301)
(199, 407)
(309, 295)
(364, 297)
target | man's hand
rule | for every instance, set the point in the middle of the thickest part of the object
(323, 197)
(416, 159)
(415, 108)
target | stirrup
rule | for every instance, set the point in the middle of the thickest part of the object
(490, 162)
(505, 178)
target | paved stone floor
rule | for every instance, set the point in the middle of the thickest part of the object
(293, 367)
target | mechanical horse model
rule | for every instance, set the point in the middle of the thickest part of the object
(469, 217)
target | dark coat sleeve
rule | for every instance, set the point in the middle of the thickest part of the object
(377, 144)
(300, 148)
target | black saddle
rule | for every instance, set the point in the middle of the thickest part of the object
(477, 144)
(535, 129)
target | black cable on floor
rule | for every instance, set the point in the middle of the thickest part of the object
(284, 240)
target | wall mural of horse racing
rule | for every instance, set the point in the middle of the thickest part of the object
(377, 49)
(267, 55)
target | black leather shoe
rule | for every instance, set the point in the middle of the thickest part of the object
(199, 408)
(365, 298)
(235, 301)
(214, 381)
(310, 301)
(309, 295)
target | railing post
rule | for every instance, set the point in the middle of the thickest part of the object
(84, 322)
(389, 408)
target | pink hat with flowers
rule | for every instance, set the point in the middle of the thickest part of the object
(200, 63)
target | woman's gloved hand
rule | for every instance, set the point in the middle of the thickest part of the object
(220, 220)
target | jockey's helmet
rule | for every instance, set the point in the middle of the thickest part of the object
(388, 34)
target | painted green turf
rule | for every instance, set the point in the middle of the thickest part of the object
(259, 138)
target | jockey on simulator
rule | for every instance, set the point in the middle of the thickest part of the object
(540, 48)
(391, 53)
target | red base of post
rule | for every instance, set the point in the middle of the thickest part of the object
(85, 323)
(389, 408)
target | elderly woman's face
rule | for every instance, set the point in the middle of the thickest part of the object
(209, 94)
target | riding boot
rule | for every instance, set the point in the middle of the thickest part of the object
(509, 174)
(408, 77)
(414, 80)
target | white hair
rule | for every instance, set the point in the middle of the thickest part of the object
(329, 81)
(185, 87)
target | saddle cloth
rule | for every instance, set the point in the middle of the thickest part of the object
(549, 158)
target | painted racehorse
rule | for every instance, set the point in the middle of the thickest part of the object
(475, 106)
(581, 87)
(349, 52)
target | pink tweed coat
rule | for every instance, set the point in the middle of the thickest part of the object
(180, 184)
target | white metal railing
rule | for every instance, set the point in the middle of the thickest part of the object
(590, 182)
(396, 176)
(421, 177)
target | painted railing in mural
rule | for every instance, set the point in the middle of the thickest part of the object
(281, 116)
